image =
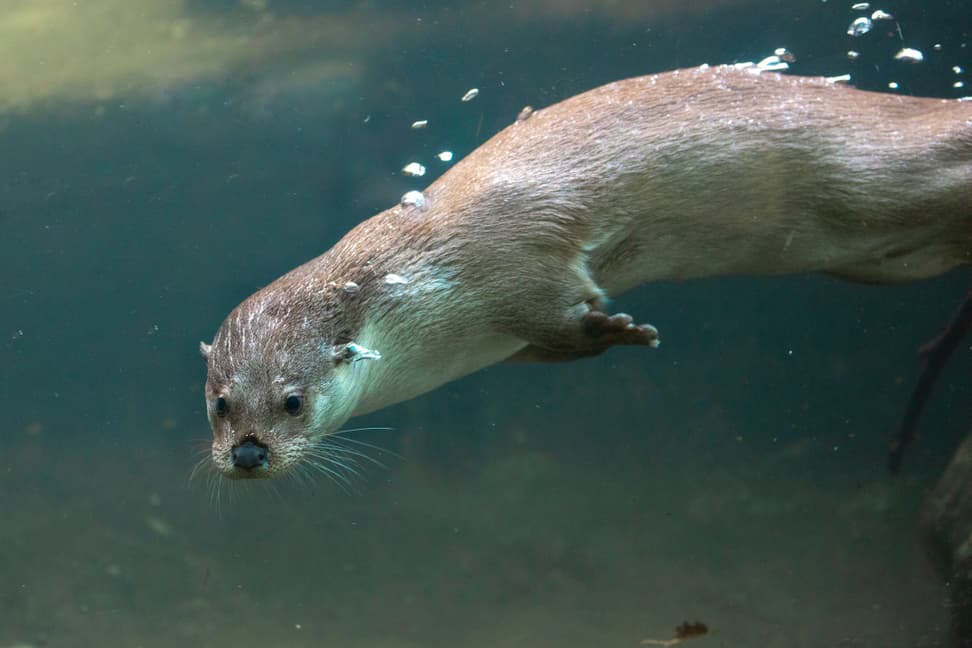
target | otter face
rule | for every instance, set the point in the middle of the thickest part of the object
(272, 394)
(261, 427)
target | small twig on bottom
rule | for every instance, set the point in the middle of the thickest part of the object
(683, 632)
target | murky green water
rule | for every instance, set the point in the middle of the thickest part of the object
(161, 159)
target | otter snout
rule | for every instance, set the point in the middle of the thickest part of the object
(251, 455)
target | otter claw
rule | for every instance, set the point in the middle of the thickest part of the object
(619, 328)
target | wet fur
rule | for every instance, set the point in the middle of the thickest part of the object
(687, 174)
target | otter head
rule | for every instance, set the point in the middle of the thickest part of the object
(275, 386)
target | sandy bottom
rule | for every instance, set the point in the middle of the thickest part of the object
(522, 546)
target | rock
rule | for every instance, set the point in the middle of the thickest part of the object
(946, 528)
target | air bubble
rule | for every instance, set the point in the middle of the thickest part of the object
(524, 113)
(859, 27)
(413, 199)
(414, 169)
(772, 64)
(909, 55)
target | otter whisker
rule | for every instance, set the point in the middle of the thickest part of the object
(344, 464)
(338, 441)
(216, 494)
(350, 455)
(202, 463)
(339, 437)
(298, 474)
(308, 472)
(336, 476)
(223, 499)
(347, 460)
(361, 429)
(347, 471)
(326, 448)
(276, 492)
(211, 485)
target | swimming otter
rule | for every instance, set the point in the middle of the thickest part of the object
(514, 252)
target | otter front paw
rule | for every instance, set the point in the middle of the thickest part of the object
(609, 330)
(584, 335)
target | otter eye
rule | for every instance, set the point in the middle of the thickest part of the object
(221, 407)
(293, 404)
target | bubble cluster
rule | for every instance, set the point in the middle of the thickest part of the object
(416, 169)
(879, 38)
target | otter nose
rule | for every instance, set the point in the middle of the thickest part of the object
(250, 454)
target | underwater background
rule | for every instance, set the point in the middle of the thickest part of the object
(162, 159)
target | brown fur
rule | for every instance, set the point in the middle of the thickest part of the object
(687, 174)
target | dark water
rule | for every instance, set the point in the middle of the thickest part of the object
(161, 160)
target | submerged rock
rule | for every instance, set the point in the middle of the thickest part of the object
(946, 525)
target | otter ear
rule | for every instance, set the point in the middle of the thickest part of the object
(205, 349)
(352, 352)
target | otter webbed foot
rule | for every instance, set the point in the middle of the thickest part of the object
(605, 330)
(588, 335)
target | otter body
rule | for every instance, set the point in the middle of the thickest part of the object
(514, 251)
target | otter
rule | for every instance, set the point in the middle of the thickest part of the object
(514, 252)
